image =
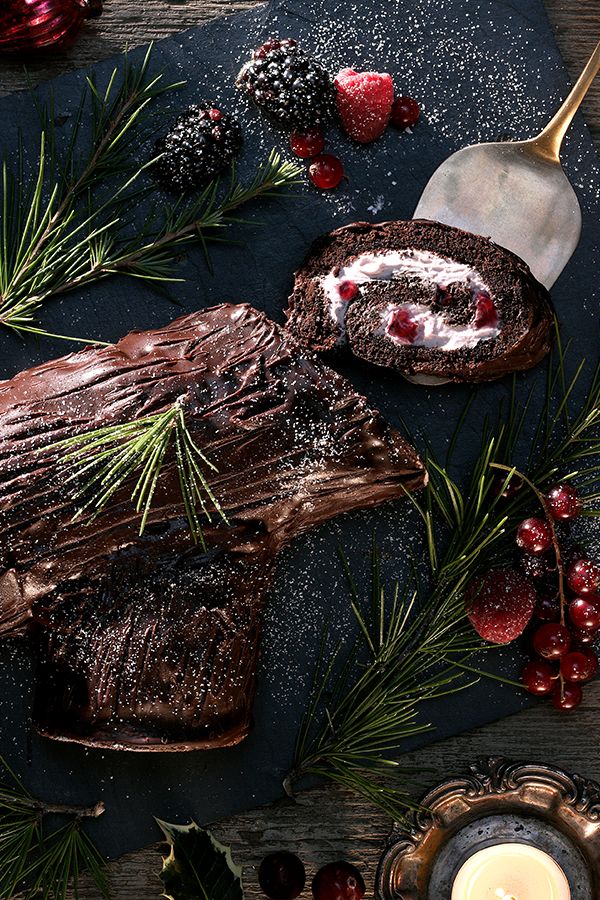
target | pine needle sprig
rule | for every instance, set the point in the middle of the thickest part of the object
(114, 454)
(77, 220)
(365, 704)
(35, 863)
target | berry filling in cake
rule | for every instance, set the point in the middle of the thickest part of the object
(457, 310)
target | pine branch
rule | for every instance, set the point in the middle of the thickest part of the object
(75, 223)
(113, 455)
(39, 864)
(416, 647)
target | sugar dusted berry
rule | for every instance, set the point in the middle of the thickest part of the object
(584, 577)
(552, 640)
(290, 86)
(308, 143)
(534, 535)
(405, 112)
(338, 881)
(563, 502)
(281, 876)
(500, 604)
(364, 103)
(202, 142)
(539, 677)
(326, 171)
(566, 695)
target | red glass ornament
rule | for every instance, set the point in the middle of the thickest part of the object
(30, 25)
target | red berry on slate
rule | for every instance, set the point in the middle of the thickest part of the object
(485, 311)
(584, 612)
(547, 609)
(215, 115)
(405, 112)
(308, 143)
(281, 875)
(538, 677)
(500, 604)
(402, 327)
(552, 640)
(534, 535)
(364, 102)
(579, 665)
(583, 577)
(338, 881)
(566, 696)
(347, 289)
(326, 171)
(563, 502)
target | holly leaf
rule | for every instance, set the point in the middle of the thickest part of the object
(198, 867)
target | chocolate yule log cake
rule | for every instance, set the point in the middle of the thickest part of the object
(422, 298)
(151, 642)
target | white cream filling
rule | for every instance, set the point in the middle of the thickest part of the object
(433, 330)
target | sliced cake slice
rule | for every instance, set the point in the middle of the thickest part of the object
(422, 298)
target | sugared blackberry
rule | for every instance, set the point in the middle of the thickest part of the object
(200, 145)
(289, 85)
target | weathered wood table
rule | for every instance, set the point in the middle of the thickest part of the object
(327, 823)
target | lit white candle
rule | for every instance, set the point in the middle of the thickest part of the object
(510, 872)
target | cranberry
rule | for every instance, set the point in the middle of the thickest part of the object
(583, 577)
(405, 112)
(281, 875)
(485, 311)
(308, 143)
(347, 289)
(326, 171)
(563, 502)
(215, 115)
(402, 327)
(579, 665)
(547, 609)
(534, 536)
(338, 881)
(566, 696)
(538, 677)
(584, 612)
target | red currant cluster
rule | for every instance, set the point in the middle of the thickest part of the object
(326, 170)
(282, 877)
(568, 618)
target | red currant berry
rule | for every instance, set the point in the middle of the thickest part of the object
(534, 536)
(308, 143)
(538, 677)
(326, 171)
(552, 641)
(281, 876)
(583, 577)
(547, 609)
(500, 487)
(584, 636)
(584, 612)
(338, 881)
(563, 502)
(579, 665)
(566, 696)
(405, 112)
(347, 289)
(402, 327)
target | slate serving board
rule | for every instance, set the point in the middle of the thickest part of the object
(481, 69)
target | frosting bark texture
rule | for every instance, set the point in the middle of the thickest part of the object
(422, 298)
(149, 642)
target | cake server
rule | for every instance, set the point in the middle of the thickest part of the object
(516, 192)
